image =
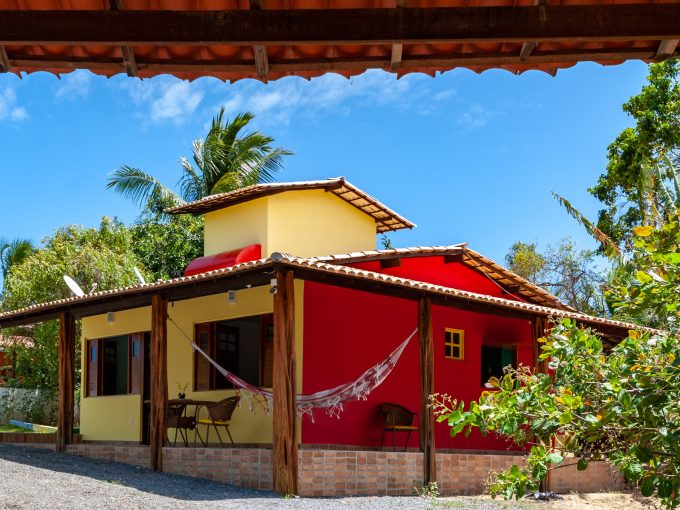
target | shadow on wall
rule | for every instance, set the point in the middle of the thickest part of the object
(164, 484)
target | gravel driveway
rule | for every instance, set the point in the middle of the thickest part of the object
(39, 478)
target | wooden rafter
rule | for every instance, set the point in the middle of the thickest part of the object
(324, 64)
(666, 49)
(529, 47)
(599, 22)
(126, 50)
(4, 60)
(398, 48)
(260, 50)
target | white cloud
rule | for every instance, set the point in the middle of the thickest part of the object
(476, 116)
(9, 108)
(282, 99)
(165, 99)
(74, 85)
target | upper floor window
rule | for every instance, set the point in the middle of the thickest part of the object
(454, 344)
(244, 347)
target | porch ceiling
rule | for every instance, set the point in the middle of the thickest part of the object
(269, 39)
(258, 273)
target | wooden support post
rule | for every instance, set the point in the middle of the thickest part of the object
(538, 328)
(427, 389)
(284, 441)
(65, 351)
(159, 379)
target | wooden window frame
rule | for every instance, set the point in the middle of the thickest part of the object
(460, 345)
(267, 321)
(141, 337)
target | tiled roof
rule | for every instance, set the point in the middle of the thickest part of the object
(11, 341)
(505, 278)
(385, 218)
(322, 267)
(350, 51)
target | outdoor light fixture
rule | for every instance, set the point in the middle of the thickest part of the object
(273, 282)
(110, 317)
(231, 297)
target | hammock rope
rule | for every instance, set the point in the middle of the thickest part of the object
(331, 400)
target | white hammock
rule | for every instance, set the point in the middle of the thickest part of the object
(332, 400)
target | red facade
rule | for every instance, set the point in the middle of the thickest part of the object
(347, 331)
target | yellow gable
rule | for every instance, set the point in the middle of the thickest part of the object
(305, 223)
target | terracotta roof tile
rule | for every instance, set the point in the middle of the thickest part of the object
(316, 265)
(385, 218)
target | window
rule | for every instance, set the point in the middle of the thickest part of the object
(494, 359)
(115, 365)
(454, 344)
(244, 347)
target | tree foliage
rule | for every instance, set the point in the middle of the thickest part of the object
(101, 258)
(568, 273)
(228, 158)
(618, 405)
(640, 185)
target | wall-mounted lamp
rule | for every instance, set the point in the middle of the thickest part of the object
(231, 297)
(110, 317)
(273, 282)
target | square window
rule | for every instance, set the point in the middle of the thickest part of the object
(454, 344)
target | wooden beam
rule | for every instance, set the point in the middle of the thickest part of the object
(666, 49)
(155, 65)
(5, 64)
(426, 389)
(65, 353)
(127, 51)
(390, 262)
(529, 47)
(397, 49)
(454, 257)
(510, 289)
(260, 50)
(592, 22)
(159, 379)
(284, 416)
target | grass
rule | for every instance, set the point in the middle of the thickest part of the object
(14, 428)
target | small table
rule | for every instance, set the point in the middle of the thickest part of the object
(178, 419)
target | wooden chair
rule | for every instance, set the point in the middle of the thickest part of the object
(398, 419)
(219, 415)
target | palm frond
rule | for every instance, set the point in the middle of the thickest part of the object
(190, 184)
(140, 187)
(608, 245)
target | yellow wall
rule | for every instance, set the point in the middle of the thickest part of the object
(305, 223)
(118, 417)
(237, 226)
(315, 222)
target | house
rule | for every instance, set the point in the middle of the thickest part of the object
(293, 295)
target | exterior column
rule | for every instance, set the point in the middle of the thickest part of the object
(159, 379)
(284, 416)
(538, 327)
(427, 389)
(65, 353)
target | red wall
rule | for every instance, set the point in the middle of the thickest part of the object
(346, 332)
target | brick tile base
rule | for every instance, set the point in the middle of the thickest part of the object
(331, 472)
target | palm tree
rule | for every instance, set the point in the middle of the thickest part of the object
(227, 159)
(13, 253)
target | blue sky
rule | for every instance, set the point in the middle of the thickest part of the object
(466, 157)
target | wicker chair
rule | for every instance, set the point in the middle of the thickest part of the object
(398, 419)
(219, 415)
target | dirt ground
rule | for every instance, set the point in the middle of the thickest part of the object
(592, 501)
